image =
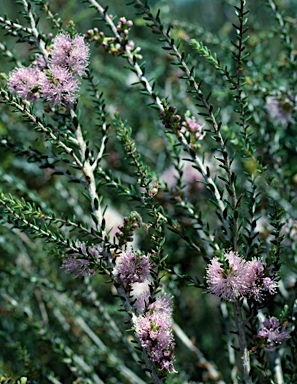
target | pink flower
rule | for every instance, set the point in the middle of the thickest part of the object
(24, 82)
(273, 333)
(270, 285)
(154, 328)
(72, 54)
(69, 57)
(132, 267)
(191, 128)
(234, 277)
(58, 86)
(228, 282)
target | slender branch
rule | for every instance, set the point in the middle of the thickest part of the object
(41, 232)
(231, 351)
(285, 35)
(245, 356)
(128, 54)
(278, 369)
(51, 16)
(80, 321)
(36, 121)
(88, 171)
(13, 28)
(38, 41)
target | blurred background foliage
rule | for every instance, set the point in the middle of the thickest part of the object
(52, 325)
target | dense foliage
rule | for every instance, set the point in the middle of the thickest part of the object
(148, 180)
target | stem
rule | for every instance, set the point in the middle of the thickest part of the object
(278, 372)
(231, 351)
(242, 343)
(88, 171)
(35, 33)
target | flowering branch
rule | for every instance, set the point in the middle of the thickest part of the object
(124, 296)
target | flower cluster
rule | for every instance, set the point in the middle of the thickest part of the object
(132, 267)
(124, 25)
(80, 261)
(234, 277)
(126, 231)
(152, 317)
(112, 45)
(154, 329)
(273, 333)
(192, 130)
(53, 79)
(170, 120)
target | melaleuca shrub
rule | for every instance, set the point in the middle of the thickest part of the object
(148, 192)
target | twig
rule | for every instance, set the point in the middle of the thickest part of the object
(231, 352)
(245, 356)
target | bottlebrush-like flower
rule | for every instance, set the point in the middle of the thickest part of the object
(154, 329)
(273, 333)
(72, 54)
(132, 267)
(24, 82)
(234, 277)
(58, 86)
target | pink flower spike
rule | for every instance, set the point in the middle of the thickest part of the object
(235, 277)
(154, 329)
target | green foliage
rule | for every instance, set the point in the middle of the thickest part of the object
(117, 169)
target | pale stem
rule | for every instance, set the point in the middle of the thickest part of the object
(245, 356)
(278, 371)
(231, 351)
(39, 42)
(88, 170)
